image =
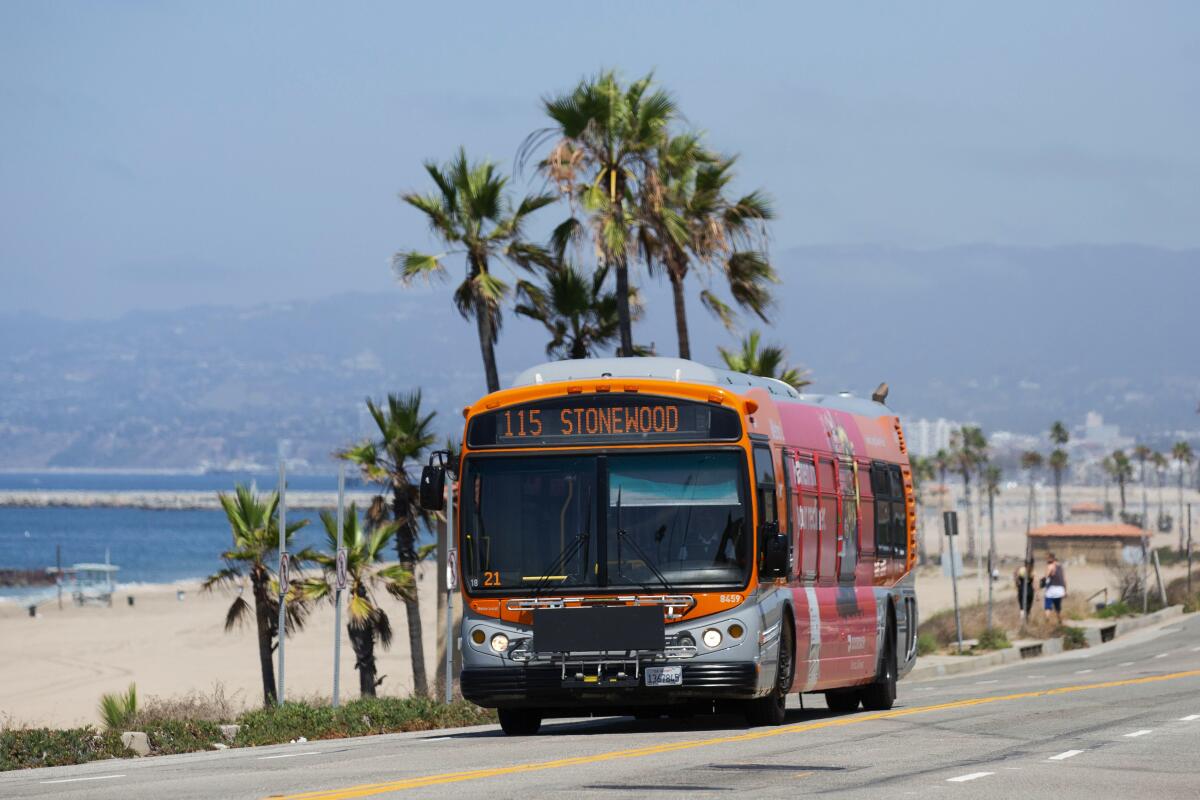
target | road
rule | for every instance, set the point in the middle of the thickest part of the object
(1121, 720)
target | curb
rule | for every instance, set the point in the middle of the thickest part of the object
(1098, 632)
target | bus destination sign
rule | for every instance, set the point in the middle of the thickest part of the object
(596, 419)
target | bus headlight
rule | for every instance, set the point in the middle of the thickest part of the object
(736, 631)
(712, 638)
(478, 636)
(499, 642)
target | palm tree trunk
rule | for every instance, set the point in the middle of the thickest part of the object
(970, 517)
(263, 620)
(624, 320)
(363, 642)
(1179, 521)
(681, 326)
(1121, 486)
(406, 549)
(1058, 496)
(483, 322)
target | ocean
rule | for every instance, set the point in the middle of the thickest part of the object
(149, 546)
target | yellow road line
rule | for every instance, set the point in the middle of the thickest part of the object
(365, 790)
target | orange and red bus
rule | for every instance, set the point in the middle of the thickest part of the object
(651, 535)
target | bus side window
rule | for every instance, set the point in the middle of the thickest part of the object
(764, 478)
(899, 516)
(828, 521)
(881, 489)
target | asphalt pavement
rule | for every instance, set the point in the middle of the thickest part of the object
(1121, 720)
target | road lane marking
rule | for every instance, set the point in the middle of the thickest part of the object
(89, 778)
(1035, 676)
(1190, 718)
(969, 777)
(437, 739)
(1083, 671)
(1126, 664)
(985, 683)
(289, 755)
(1196, 649)
(1162, 655)
(1138, 733)
(1065, 756)
(364, 790)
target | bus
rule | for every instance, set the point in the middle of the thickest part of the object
(648, 536)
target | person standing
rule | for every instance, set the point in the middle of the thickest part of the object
(1056, 587)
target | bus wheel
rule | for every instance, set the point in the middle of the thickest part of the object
(881, 694)
(770, 710)
(842, 701)
(520, 721)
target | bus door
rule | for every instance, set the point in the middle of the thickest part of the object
(827, 520)
(764, 481)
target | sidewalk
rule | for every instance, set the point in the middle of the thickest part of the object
(1098, 631)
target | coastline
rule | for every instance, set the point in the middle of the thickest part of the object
(166, 500)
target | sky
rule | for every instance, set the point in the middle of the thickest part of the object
(161, 155)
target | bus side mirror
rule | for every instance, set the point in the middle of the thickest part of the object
(433, 488)
(775, 546)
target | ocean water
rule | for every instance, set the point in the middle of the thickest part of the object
(166, 481)
(150, 546)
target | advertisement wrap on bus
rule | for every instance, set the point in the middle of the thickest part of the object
(652, 536)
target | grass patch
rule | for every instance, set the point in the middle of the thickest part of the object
(362, 717)
(926, 644)
(1073, 638)
(25, 748)
(993, 639)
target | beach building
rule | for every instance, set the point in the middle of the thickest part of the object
(1093, 542)
(1088, 512)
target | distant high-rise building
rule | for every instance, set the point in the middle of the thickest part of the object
(925, 436)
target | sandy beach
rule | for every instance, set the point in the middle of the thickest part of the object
(56, 666)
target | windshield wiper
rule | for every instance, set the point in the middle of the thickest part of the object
(623, 534)
(568, 552)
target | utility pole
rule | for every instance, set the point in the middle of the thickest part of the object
(451, 577)
(282, 574)
(1189, 553)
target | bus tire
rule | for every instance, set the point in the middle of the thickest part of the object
(881, 695)
(842, 701)
(772, 709)
(520, 721)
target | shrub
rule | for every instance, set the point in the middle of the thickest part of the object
(118, 710)
(1114, 610)
(926, 643)
(993, 639)
(42, 747)
(1074, 638)
(181, 736)
(357, 718)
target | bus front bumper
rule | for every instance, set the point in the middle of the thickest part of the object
(542, 686)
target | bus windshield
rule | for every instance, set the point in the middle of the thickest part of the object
(671, 520)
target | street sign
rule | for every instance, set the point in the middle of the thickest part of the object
(342, 577)
(452, 568)
(950, 522)
(284, 566)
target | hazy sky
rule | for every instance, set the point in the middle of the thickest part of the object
(154, 155)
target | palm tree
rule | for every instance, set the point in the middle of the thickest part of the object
(968, 451)
(473, 215)
(767, 362)
(575, 308)
(1182, 453)
(1058, 464)
(922, 471)
(606, 139)
(1143, 454)
(1122, 471)
(1160, 469)
(1109, 469)
(405, 434)
(693, 217)
(941, 462)
(252, 559)
(366, 575)
(1031, 462)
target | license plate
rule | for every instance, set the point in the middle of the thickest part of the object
(664, 676)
